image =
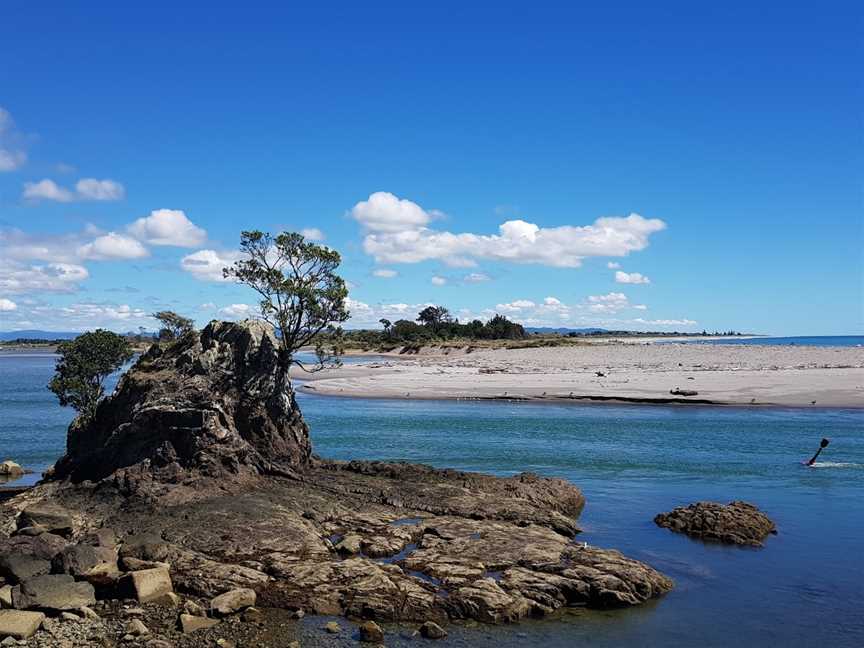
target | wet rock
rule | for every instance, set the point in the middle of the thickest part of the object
(332, 627)
(737, 523)
(19, 624)
(53, 518)
(150, 584)
(371, 632)
(254, 615)
(190, 623)
(232, 601)
(53, 592)
(9, 468)
(431, 630)
(20, 567)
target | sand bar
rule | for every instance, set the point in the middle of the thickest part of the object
(722, 374)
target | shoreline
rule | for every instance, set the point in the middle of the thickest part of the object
(721, 375)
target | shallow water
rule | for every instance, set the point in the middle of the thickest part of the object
(806, 587)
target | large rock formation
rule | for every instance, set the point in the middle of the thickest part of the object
(215, 402)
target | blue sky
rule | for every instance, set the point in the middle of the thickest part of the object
(495, 158)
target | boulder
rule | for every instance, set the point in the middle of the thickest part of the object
(6, 596)
(83, 560)
(136, 628)
(218, 402)
(737, 523)
(19, 624)
(190, 623)
(371, 632)
(232, 601)
(9, 468)
(431, 630)
(56, 592)
(51, 517)
(149, 585)
(19, 567)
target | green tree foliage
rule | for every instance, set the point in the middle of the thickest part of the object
(83, 366)
(301, 294)
(174, 326)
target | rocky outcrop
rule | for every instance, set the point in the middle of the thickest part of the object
(737, 523)
(217, 402)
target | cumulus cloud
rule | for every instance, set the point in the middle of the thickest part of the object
(384, 273)
(439, 281)
(207, 265)
(85, 189)
(666, 322)
(168, 227)
(609, 303)
(516, 306)
(7, 305)
(113, 246)
(313, 234)
(236, 311)
(397, 232)
(476, 277)
(11, 156)
(640, 307)
(363, 314)
(17, 277)
(631, 278)
(613, 265)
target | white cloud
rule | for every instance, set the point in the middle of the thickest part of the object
(631, 278)
(7, 305)
(476, 277)
(85, 189)
(516, 306)
(16, 277)
(113, 246)
(207, 265)
(640, 307)
(207, 306)
(104, 190)
(613, 265)
(11, 157)
(552, 301)
(168, 227)
(397, 232)
(610, 303)
(384, 273)
(439, 281)
(666, 322)
(236, 311)
(47, 190)
(384, 212)
(313, 234)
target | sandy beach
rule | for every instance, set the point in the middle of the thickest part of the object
(646, 373)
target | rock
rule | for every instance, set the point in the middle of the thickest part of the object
(298, 614)
(332, 627)
(159, 643)
(737, 523)
(150, 584)
(19, 624)
(216, 402)
(349, 545)
(226, 643)
(9, 468)
(254, 615)
(44, 546)
(232, 601)
(148, 546)
(6, 596)
(31, 530)
(20, 567)
(137, 628)
(190, 623)
(103, 537)
(191, 607)
(53, 518)
(169, 599)
(88, 613)
(431, 630)
(371, 632)
(68, 616)
(53, 592)
(136, 564)
(83, 559)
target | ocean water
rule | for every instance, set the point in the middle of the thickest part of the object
(805, 340)
(804, 588)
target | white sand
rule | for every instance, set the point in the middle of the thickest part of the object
(729, 374)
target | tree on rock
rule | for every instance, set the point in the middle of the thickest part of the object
(302, 297)
(83, 366)
(174, 326)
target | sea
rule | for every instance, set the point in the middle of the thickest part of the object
(800, 340)
(804, 588)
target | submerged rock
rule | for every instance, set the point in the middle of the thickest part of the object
(9, 468)
(217, 402)
(738, 522)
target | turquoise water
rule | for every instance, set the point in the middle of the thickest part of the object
(805, 588)
(803, 340)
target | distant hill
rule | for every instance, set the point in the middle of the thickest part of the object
(562, 330)
(36, 334)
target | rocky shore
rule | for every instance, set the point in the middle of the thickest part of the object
(194, 497)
